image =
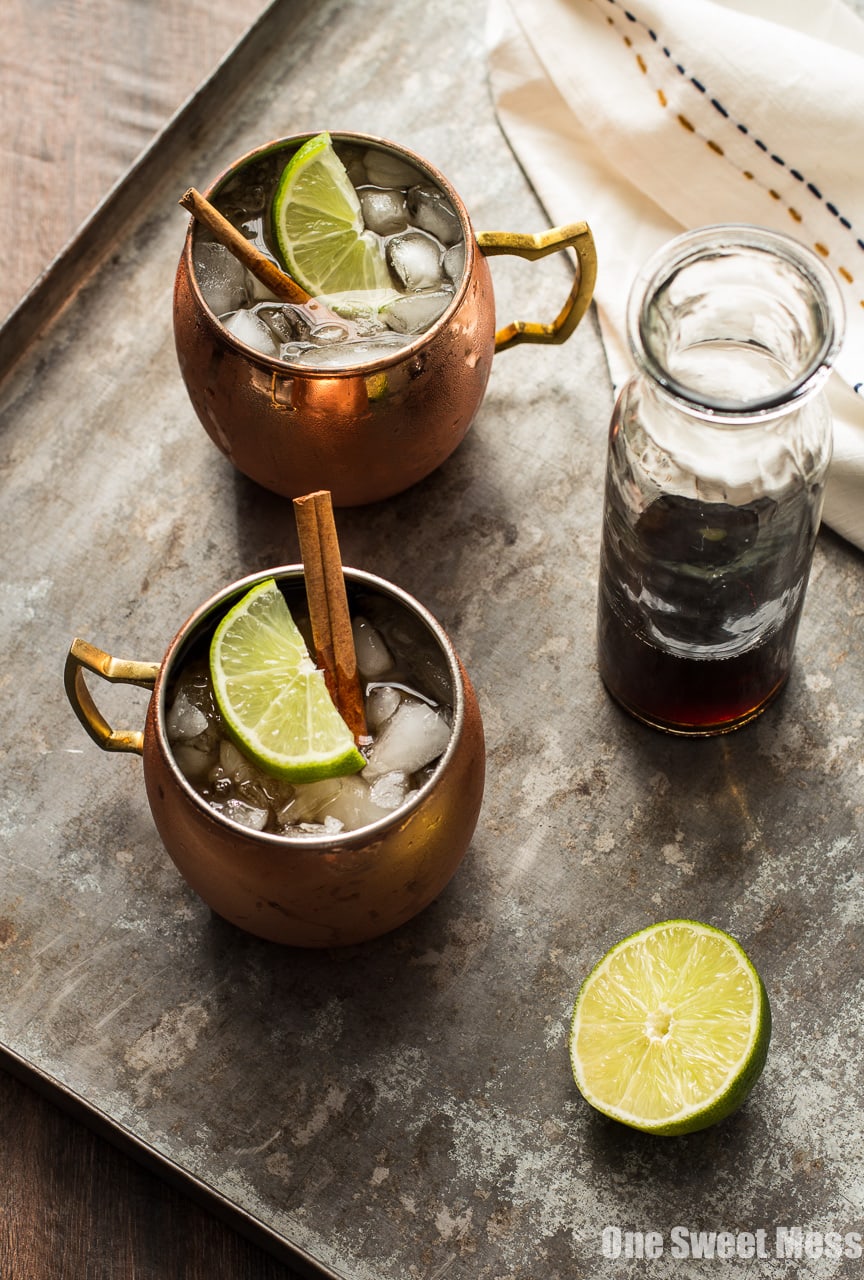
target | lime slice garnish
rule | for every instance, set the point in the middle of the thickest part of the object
(271, 695)
(318, 225)
(670, 1030)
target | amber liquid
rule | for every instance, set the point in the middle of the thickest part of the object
(699, 606)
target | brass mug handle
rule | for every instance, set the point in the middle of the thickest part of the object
(575, 235)
(84, 656)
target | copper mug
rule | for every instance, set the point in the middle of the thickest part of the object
(368, 431)
(309, 891)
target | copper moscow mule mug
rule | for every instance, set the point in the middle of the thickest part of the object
(309, 891)
(368, 431)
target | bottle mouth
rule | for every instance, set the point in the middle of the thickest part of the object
(735, 320)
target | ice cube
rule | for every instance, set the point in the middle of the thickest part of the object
(384, 212)
(345, 354)
(265, 791)
(356, 304)
(184, 720)
(244, 195)
(354, 166)
(247, 327)
(432, 211)
(360, 307)
(246, 814)
(294, 352)
(416, 259)
(380, 705)
(257, 291)
(384, 169)
(309, 801)
(193, 762)
(354, 806)
(328, 334)
(373, 656)
(286, 323)
(329, 827)
(234, 775)
(390, 790)
(414, 736)
(454, 262)
(378, 345)
(415, 312)
(221, 278)
(337, 357)
(233, 763)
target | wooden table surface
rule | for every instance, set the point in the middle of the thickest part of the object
(85, 86)
(73, 1207)
(108, 75)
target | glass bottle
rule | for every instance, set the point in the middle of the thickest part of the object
(718, 448)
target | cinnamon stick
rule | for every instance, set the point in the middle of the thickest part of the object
(262, 267)
(328, 608)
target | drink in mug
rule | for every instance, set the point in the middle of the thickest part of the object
(408, 702)
(418, 249)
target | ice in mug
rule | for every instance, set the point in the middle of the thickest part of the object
(408, 701)
(419, 230)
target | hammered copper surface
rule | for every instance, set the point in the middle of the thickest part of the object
(311, 894)
(308, 892)
(364, 435)
(314, 892)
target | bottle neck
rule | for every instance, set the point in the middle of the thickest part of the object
(735, 323)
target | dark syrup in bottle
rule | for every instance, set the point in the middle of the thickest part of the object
(697, 618)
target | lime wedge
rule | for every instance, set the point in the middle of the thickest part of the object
(271, 695)
(318, 225)
(670, 1030)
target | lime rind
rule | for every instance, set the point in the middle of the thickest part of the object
(710, 1026)
(318, 224)
(327, 188)
(274, 701)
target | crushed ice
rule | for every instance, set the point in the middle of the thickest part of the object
(409, 729)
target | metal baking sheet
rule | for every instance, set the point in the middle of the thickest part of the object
(404, 1110)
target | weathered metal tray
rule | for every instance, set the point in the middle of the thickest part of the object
(404, 1108)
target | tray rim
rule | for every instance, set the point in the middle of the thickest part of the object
(35, 314)
(125, 1140)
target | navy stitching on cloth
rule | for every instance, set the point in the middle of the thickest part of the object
(742, 128)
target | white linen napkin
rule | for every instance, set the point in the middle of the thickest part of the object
(649, 117)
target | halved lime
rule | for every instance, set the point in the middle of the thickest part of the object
(273, 699)
(318, 225)
(670, 1030)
